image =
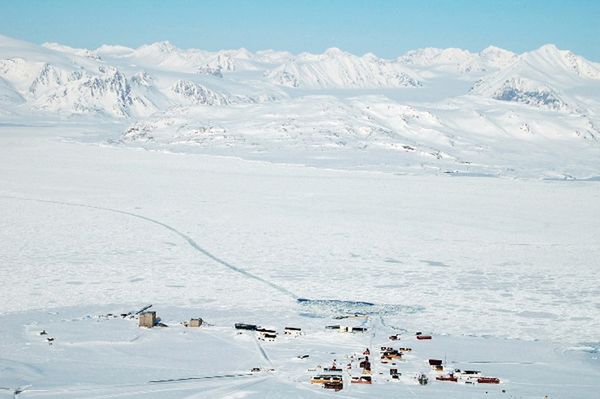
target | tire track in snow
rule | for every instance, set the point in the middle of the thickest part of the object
(127, 390)
(262, 352)
(201, 378)
(182, 235)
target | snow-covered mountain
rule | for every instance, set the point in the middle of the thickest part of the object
(70, 50)
(547, 77)
(68, 81)
(458, 60)
(195, 93)
(436, 109)
(109, 82)
(338, 69)
(165, 56)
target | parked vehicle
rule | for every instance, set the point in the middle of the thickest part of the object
(323, 378)
(488, 380)
(450, 378)
(363, 379)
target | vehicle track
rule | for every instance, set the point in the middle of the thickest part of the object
(201, 378)
(150, 388)
(262, 352)
(182, 235)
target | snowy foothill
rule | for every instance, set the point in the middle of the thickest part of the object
(445, 192)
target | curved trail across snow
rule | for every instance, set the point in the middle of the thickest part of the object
(187, 238)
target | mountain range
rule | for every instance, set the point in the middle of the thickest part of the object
(443, 110)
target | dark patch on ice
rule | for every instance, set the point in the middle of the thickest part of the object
(571, 179)
(175, 286)
(588, 347)
(389, 286)
(580, 318)
(458, 173)
(311, 315)
(334, 301)
(392, 260)
(593, 178)
(135, 280)
(536, 315)
(434, 263)
(336, 307)
(507, 264)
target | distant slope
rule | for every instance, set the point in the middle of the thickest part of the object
(373, 132)
(8, 95)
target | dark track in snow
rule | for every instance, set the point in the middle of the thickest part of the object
(321, 306)
(184, 236)
(201, 378)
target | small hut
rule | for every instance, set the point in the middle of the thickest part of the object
(244, 326)
(292, 331)
(147, 319)
(195, 322)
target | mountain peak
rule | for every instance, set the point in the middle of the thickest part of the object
(334, 52)
(547, 50)
(564, 63)
(495, 50)
(549, 47)
(241, 53)
(163, 47)
(370, 57)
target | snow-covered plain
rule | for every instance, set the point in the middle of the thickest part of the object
(208, 184)
(464, 256)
